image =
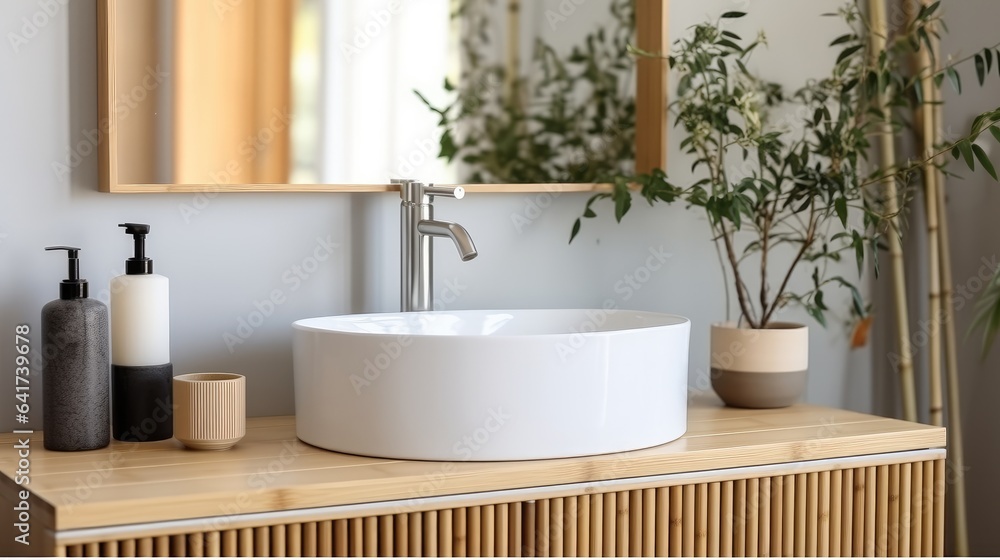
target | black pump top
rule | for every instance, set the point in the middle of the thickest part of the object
(138, 264)
(72, 287)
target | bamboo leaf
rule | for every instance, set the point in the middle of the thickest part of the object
(848, 52)
(980, 69)
(859, 251)
(623, 200)
(954, 78)
(984, 160)
(576, 230)
(988, 53)
(843, 39)
(996, 132)
(840, 205)
(817, 314)
(818, 300)
(733, 15)
(966, 148)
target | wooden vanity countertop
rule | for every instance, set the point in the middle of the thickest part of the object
(270, 470)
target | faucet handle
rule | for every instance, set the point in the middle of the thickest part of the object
(450, 192)
(417, 192)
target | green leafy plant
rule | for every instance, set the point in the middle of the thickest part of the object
(569, 119)
(788, 174)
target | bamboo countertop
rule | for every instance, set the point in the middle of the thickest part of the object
(270, 470)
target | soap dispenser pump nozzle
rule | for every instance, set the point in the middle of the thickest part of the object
(139, 263)
(73, 287)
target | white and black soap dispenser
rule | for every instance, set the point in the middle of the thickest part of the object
(141, 372)
(75, 369)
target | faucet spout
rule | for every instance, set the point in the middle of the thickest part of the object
(458, 234)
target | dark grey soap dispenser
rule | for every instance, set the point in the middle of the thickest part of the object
(76, 371)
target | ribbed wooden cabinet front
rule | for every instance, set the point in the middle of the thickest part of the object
(888, 510)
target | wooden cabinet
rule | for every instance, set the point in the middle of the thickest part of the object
(798, 481)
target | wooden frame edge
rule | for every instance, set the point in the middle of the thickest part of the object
(650, 138)
(107, 165)
(651, 20)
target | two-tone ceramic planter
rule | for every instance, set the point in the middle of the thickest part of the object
(760, 368)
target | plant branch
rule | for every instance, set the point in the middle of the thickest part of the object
(806, 244)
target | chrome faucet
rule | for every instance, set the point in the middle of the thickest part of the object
(417, 227)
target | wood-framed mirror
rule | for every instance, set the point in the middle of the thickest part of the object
(334, 95)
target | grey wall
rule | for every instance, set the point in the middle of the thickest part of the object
(238, 248)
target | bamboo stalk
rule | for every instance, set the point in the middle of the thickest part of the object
(596, 525)
(386, 536)
(662, 521)
(847, 510)
(812, 513)
(370, 530)
(788, 522)
(753, 510)
(860, 511)
(555, 529)
(905, 495)
(888, 149)
(677, 521)
(109, 549)
(583, 527)
(939, 484)
(635, 519)
(649, 522)
(714, 493)
(488, 540)
(473, 530)
(927, 510)
(516, 530)
(916, 506)
(764, 518)
(924, 124)
(739, 521)
(621, 524)
(333, 538)
(726, 528)
(542, 521)
(882, 512)
(778, 516)
(570, 505)
(871, 502)
(892, 536)
(261, 542)
(530, 510)
(801, 513)
(402, 530)
(460, 532)
(610, 516)
(446, 537)
(309, 539)
(823, 511)
(836, 505)
(503, 530)
(416, 528)
(956, 454)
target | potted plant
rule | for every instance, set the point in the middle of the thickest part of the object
(795, 184)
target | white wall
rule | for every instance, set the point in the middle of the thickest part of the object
(238, 248)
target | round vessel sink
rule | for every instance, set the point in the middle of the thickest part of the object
(491, 385)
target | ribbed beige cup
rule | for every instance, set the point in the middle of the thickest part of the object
(210, 410)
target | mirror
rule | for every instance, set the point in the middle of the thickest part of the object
(310, 95)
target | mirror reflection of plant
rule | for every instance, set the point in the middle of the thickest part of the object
(572, 119)
(800, 179)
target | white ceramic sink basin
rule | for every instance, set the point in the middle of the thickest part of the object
(491, 385)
